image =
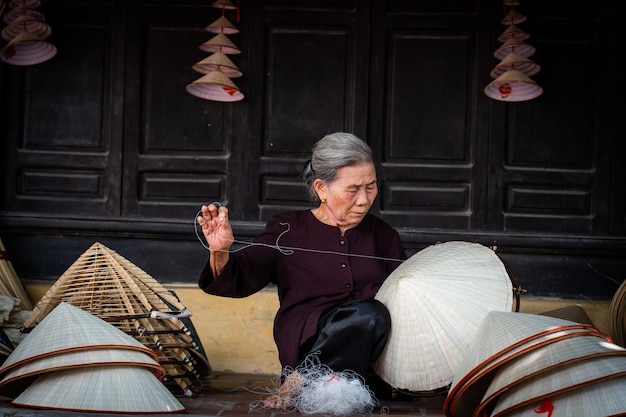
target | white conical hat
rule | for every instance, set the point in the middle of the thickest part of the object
(557, 354)
(437, 299)
(69, 328)
(19, 377)
(113, 389)
(501, 337)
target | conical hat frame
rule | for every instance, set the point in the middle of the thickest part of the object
(112, 288)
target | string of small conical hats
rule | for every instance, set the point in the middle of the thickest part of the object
(216, 83)
(26, 34)
(512, 80)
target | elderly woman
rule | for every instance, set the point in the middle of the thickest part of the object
(327, 264)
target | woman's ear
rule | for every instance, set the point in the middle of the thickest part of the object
(320, 188)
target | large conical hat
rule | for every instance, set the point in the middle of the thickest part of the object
(560, 380)
(604, 398)
(113, 389)
(558, 354)
(501, 337)
(437, 300)
(19, 377)
(68, 328)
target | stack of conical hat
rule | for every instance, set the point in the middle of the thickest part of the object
(74, 360)
(517, 360)
(112, 288)
(218, 69)
(26, 34)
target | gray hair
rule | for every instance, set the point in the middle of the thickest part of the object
(330, 153)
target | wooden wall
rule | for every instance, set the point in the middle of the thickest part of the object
(103, 143)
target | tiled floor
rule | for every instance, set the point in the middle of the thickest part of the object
(235, 395)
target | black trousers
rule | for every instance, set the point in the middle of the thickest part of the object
(350, 336)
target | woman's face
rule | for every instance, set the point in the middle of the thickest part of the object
(350, 196)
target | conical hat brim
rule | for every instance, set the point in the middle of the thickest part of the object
(557, 354)
(114, 389)
(21, 376)
(560, 380)
(69, 328)
(437, 299)
(604, 398)
(501, 337)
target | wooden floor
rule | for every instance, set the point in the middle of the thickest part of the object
(238, 395)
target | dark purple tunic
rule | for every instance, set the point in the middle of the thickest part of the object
(310, 264)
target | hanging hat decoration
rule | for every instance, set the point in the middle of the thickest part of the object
(512, 74)
(26, 33)
(218, 69)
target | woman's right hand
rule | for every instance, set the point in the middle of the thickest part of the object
(218, 234)
(216, 227)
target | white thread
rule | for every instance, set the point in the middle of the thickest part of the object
(287, 250)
